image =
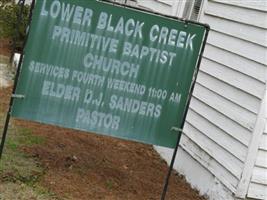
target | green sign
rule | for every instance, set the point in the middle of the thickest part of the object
(108, 69)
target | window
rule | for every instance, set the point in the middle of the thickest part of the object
(192, 9)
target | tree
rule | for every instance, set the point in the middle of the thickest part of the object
(9, 12)
(5, 2)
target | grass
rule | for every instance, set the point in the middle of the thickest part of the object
(22, 191)
(20, 173)
(109, 184)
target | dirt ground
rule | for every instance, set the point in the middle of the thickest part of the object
(5, 47)
(84, 166)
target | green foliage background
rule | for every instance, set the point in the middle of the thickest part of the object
(9, 12)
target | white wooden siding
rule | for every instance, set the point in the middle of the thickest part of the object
(228, 144)
(209, 163)
(236, 62)
(261, 159)
(259, 176)
(161, 6)
(219, 120)
(258, 185)
(257, 191)
(252, 4)
(237, 13)
(235, 94)
(237, 29)
(155, 6)
(167, 7)
(238, 46)
(226, 107)
(263, 143)
(228, 95)
(233, 77)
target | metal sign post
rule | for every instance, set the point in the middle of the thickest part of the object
(4, 134)
(180, 131)
(13, 96)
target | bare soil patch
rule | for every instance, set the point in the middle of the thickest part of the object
(5, 47)
(86, 166)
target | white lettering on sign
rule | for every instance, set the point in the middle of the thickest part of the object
(81, 38)
(97, 119)
(110, 65)
(66, 12)
(126, 86)
(62, 91)
(71, 36)
(49, 70)
(157, 93)
(129, 27)
(153, 54)
(134, 106)
(171, 37)
(175, 97)
(93, 98)
(88, 78)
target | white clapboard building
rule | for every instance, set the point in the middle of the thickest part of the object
(223, 151)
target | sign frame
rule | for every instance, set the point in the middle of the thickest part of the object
(95, 76)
